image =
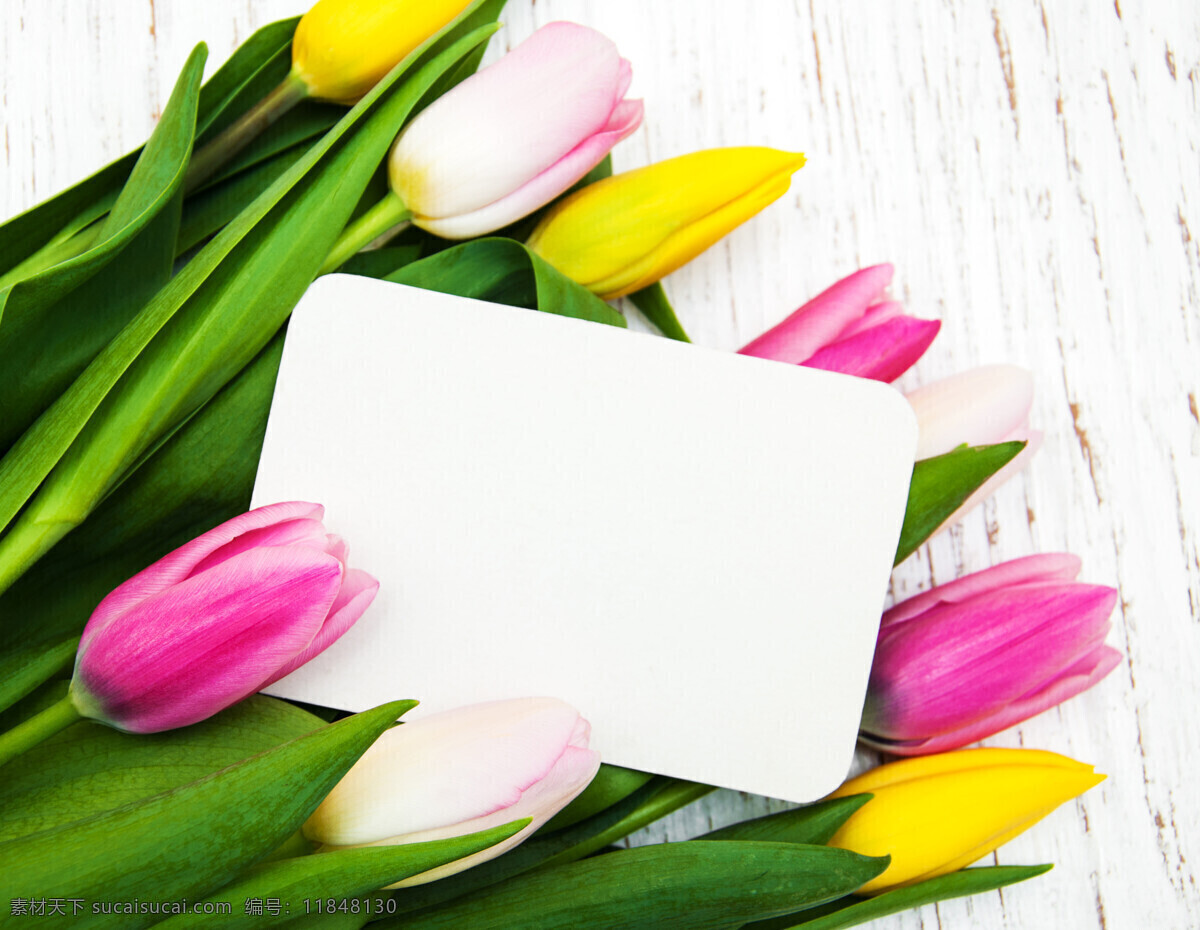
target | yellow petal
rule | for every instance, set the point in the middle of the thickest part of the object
(625, 232)
(936, 814)
(343, 47)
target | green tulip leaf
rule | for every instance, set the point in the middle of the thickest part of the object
(209, 210)
(39, 353)
(816, 823)
(204, 326)
(611, 784)
(91, 198)
(186, 841)
(295, 129)
(26, 666)
(685, 886)
(251, 72)
(647, 804)
(339, 874)
(201, 477)
(941, 485)
(850, 912)
(504, 271)
(89, 768)
(656, 308)
(347, 914)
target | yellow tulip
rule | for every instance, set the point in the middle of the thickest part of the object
(626, 232)
(936, 814)
(343, 47)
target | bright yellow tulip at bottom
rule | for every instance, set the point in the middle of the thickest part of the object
(623, 233)
(936, 814)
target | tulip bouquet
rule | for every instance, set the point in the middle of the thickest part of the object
(142, 316)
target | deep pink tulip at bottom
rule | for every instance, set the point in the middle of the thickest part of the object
(980, 654)
(218, 619)
(850, 328)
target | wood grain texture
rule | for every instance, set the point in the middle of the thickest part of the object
(1032, 171)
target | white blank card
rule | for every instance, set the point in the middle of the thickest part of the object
(690, 546)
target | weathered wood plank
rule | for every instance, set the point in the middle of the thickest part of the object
(1030, 168)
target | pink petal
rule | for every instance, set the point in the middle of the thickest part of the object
(1079, 678)
(178, 565)
(822, 319)
(453, 767)
(978, 407)
(875, 315)
(959, 663)
(524, 113)
(305, 532)
(1046, 567)
(210, 640)
(883, 353)
(624, 79)
(337, 547)
(546, 186)
(357, 592)
(573, 771)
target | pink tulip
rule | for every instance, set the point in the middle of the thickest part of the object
(219, 618)
(850, 329)
(980, 654)
(981, 406)
(516, 135)
(459, 772)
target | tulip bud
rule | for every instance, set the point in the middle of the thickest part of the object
(623, 233)
(982, 406)
(937, 814)
(342, 48)
(850, 329)
(516, 135)
(223, 616)
(458, 772)
(980, 654)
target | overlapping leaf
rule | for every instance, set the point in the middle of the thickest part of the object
(335, 876)
(207, 323)
(89, 768)
(185, 841)
(941, 485)
(685, 886)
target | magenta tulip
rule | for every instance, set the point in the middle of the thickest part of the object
(851, 329)
(218, 619)
(980, 654)
(513, 137)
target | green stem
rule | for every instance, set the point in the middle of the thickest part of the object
(37, 728)
(385, 216)
(238, 134)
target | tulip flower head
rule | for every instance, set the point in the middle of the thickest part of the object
(342, 48)
(850, 328)
(513, 137)
(218, 619)
(458, 772)
(982, 406)
(937, 814)
(980, 654)
(623, 233)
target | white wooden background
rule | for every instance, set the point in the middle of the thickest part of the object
(1033, 171)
